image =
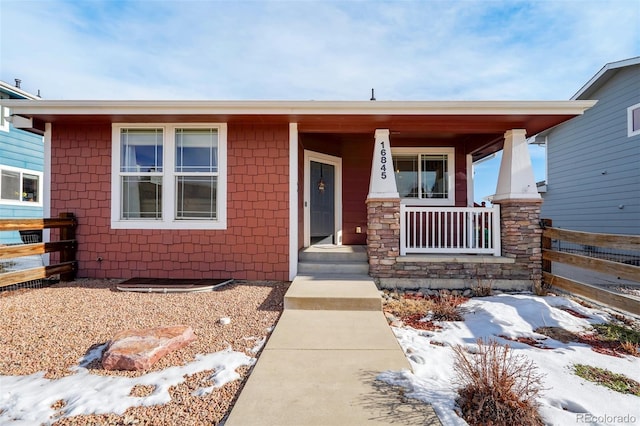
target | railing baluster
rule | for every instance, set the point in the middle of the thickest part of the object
(450, 230)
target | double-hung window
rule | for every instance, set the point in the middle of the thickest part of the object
(169, 176)
(425, 176)
(196, 173)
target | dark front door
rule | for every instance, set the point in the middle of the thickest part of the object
(322, 198)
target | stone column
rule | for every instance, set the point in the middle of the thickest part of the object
(520, 202)
(383, 210)
(522, 237)
(383, 235)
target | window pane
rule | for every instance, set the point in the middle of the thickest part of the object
(636, 119)
(141, 150)
(406, 168)
(434, 176)
(196, 197)
(141, 197)
(10, 185)
(197, 150)
(30, 188)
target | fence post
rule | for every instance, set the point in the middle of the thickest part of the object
(68, 254)
(546, 244)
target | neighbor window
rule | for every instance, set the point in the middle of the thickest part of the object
(425, 176)
(20, 186)
(633, 119)
(169, 176)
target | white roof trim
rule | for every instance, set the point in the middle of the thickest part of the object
(8, 87)
(111, 107)
(604, 70)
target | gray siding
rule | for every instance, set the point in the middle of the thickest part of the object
(594, 167)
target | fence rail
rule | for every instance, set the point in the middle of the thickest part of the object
(67, 247)
(593, 260)
(459, 230)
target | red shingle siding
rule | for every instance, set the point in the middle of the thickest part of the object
(254, 246)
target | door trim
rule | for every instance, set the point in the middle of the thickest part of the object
(336, 162)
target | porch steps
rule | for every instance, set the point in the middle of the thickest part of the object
(348, 293)
(329, 260)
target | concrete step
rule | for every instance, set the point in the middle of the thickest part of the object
(332, 267)
(324, 292)
(327, 253)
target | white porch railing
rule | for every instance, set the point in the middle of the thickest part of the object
(460, 230)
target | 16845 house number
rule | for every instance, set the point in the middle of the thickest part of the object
(383, 161)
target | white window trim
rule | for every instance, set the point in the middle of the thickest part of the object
(630, 131)
(20, 202)
(451, 200)
(5, 112)
(168, 220)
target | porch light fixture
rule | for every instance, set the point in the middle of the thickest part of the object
(321, 183)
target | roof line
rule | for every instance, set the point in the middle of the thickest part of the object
(17, 90)
(131, 107)
(608, 67)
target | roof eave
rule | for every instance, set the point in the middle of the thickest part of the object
(129, 107)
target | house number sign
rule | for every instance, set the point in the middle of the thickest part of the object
(383, 161)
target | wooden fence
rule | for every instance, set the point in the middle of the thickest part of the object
(67, 247)
(601, 264)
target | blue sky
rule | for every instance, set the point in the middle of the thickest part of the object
(323, 50)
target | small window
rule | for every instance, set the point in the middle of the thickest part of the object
(633, 119)
(20, 186)
(425, 176)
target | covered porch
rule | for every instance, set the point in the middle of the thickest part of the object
(434, 236)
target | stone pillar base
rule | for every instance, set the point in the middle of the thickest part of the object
(522, 236)
(383, 235)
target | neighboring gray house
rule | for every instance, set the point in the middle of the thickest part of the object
(593, 160)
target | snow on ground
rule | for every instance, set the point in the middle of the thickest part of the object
(27, 400)
(567, 399)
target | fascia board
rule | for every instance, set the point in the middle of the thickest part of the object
(292, 108)
(603, 75)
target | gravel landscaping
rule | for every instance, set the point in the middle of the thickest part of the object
(49, 330)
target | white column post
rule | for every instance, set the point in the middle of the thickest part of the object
(293, 200)
(383, 178)
(470, 177)
(516, 179)
(46, 199)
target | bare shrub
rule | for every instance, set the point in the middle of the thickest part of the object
(483, 288)
(540, 288)
(630, 348)
(497, 387)
(408, 307)
(445, 308)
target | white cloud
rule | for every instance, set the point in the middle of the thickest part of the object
(313, 49)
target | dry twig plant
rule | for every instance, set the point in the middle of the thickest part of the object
(496, 386)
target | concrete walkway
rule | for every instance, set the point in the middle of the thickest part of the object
(320, 364)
